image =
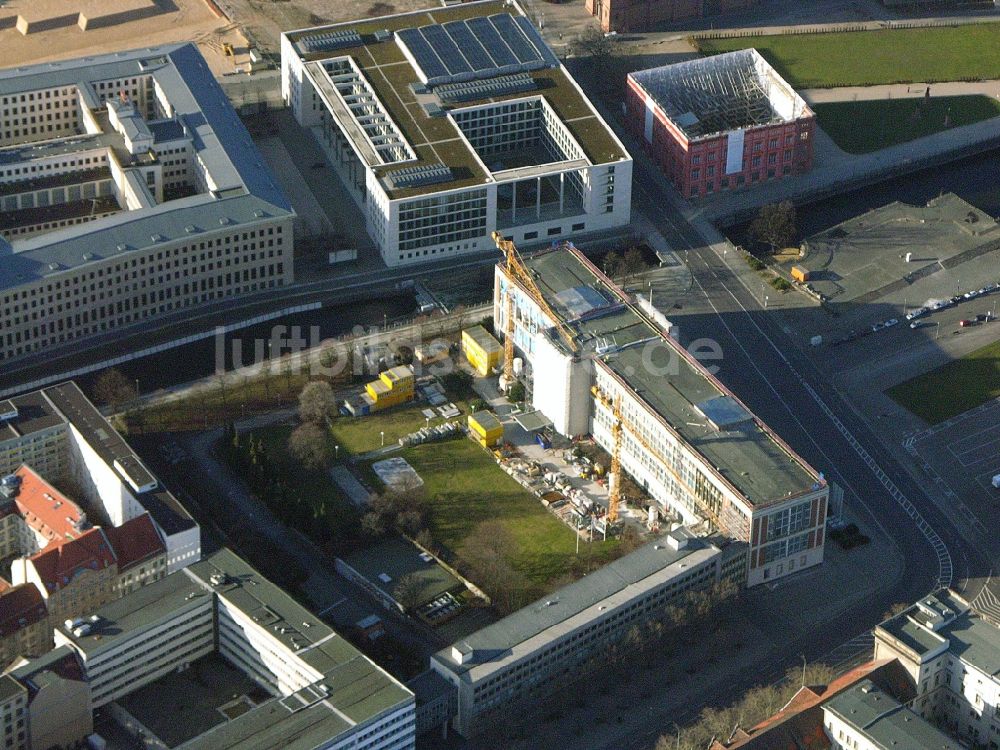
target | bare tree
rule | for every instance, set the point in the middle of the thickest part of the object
(486, 555)
(595, 44)
(775, 225)
(113, 389)
(632, 262)
(308, 445)
(407, 591)
(316, 402)
(612, 264)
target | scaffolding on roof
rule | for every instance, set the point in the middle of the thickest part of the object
(721, 93)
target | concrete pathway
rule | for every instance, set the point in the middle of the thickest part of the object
(901, 91)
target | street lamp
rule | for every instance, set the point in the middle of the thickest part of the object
(765, 301)
(336, 453)
(137, 389)
(803, 669)
(678, 730)
(382, 433)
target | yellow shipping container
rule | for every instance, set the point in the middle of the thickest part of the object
(394, 386)
(486, 428)
(481, 349)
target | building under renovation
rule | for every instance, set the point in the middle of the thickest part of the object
(600, 363)
(448, 124)
(720, 123)
(645, 15)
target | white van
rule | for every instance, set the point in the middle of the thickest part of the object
(996, 481)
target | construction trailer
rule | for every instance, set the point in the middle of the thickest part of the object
(481, 350)
(393, 387)
(486, 428)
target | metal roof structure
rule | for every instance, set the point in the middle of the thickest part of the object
(721, 93)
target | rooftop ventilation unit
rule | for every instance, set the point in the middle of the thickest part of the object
(427, 174)
(383, 35)
(468, 91)
(330, 40)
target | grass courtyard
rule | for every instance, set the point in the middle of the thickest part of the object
(357, 435)
(892, 121)
(953, 388)
(862, 58)
(464, 487)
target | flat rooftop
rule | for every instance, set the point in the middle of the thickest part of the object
(244, 190)
(712, 95)
(355, 689)
(564, 610)
(943, 617)
(385, 564)
(863, 259)
(436, 139)
(679, 390)
(884, 720)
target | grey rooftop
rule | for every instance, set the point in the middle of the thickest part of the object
(244, 189)
(678, 389)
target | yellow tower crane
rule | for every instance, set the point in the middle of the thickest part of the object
(618, 427)
(516, 269)
(615, 474)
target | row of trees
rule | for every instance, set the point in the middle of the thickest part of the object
(614, 663)
(624, 266)
(269, 478)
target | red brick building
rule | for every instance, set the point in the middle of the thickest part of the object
(720, 123)
(644, 15)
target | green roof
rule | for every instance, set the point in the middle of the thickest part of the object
(752, 458)
(395, 558)
(436, 139)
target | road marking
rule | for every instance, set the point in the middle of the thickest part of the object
(944, 559)
(336, 604)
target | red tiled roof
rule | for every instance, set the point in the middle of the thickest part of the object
(20, 607)
(799, 725)
(135, 541)
(57, 565)
(45, 509)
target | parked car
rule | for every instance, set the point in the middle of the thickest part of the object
(964, 323)
(891, 322)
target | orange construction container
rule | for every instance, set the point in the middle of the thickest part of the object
(800, 274)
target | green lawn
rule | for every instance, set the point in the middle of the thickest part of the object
(861, 58)
(465, 487)
(357, 435)
(952, 388)
(892, 121)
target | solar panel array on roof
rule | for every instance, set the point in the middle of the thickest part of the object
(330, 40)
(484, 47)
(426, 174)
(467, 91)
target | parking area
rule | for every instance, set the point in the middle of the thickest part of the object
(962, 455)
(882, 265)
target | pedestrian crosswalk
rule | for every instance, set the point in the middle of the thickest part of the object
(988, 605)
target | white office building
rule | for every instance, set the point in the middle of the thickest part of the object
(129, 189)
(324, 694)
(450, 123)
(686, 439)
(61, 435)
(953, 655)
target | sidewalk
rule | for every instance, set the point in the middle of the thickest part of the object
(989, 88)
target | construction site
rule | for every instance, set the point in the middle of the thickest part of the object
(45, 30)
(720, 122)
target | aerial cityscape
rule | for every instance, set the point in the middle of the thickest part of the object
(499, 374)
